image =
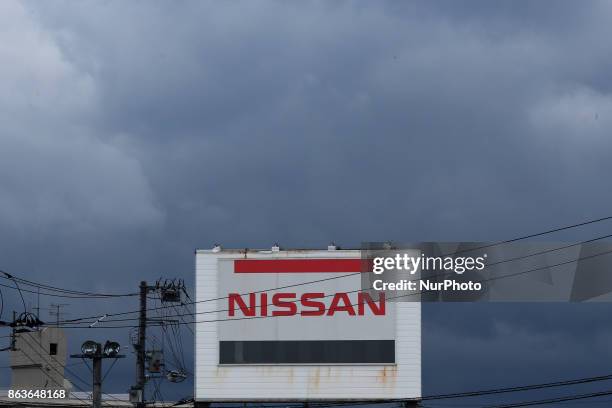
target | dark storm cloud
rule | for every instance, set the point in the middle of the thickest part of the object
(134, 132)
(317, 114)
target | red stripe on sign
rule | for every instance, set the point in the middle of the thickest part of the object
(296, 265)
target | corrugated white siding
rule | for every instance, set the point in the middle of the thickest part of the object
(299, 382)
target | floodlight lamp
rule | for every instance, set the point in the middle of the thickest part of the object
(111, 348)
(90, 348)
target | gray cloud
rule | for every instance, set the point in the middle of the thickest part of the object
(132, 133)
(57, 171)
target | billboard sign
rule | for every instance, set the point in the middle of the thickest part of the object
(327, 321)
(297, 326)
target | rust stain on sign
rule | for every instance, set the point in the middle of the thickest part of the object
(290, 375)
(387, 376)
(315, 380)
(221, 374)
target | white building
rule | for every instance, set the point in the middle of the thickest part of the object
(39, 360)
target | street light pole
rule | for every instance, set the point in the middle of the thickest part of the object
(95, 352)
(97, 381)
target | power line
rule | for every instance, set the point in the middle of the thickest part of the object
(553, 400)
(92, 294)
(353, 291)
(11, 278)
(58, 295)
(75, 320)
(71, 291)
(539, 234)
(519, 388)
(66, 292)
(550, 231)
(67, 365)
(189, 313)
(545, 401)
(358, 290)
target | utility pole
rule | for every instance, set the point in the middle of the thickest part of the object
(97, 381)
(169, 293)
(139, 389)
(142, 335)
(14, 333)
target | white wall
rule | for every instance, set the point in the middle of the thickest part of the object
(32, 367)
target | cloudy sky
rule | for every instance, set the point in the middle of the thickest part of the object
(132, 133)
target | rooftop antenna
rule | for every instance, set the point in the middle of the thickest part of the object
(37, 308)
(57, 312)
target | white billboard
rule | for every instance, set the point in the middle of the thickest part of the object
(295, 326)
